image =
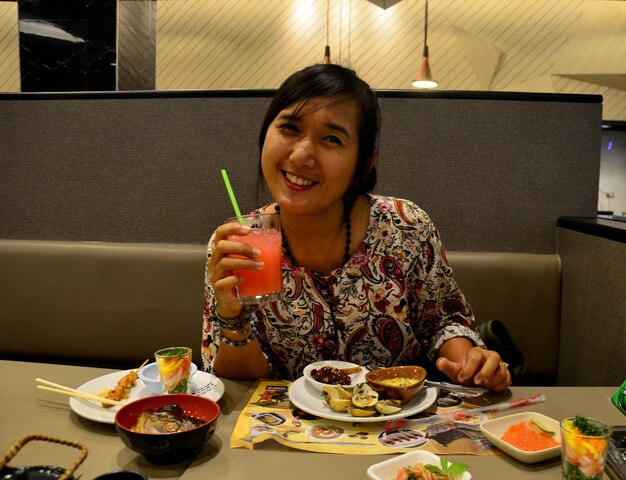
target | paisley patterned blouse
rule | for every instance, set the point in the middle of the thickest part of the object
(394, 298)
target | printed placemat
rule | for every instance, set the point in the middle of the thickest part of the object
(269, 415)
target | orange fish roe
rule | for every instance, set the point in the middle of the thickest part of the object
(529, 438)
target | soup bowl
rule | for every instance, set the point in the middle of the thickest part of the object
(161, 448)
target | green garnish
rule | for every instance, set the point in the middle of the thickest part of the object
(175, 352)
(447, 468)
(586, 427)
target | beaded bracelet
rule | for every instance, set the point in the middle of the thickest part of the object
(249, 328)
(236, 323)
(244, 325)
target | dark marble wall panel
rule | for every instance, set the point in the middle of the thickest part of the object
(67, 45)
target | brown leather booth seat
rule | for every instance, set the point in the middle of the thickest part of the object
(114, 304)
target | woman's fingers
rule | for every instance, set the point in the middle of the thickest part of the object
(479, 367)
(228, 257)
(493, 374)
(471, 365)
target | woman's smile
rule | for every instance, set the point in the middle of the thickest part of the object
(297, 180)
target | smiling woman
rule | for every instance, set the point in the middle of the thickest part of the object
(365, 278)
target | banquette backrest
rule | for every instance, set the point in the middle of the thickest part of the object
(115, 304)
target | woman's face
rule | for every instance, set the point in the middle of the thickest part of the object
(309, 158)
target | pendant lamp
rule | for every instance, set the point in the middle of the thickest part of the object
(326, 59)
(425, 78)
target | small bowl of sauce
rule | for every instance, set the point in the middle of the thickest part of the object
(397, 383)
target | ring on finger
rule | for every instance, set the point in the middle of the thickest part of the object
(504, 364)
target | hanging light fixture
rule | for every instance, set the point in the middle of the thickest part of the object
(326, 59)
(425, 78)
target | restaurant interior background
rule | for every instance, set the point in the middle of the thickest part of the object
(556, 46)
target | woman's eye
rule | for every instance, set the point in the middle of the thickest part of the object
(288, 127)
(333, 139)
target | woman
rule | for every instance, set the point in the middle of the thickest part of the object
(365, 278)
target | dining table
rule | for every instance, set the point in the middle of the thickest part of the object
(25, 410)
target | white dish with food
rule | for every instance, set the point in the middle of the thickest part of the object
(202, 383)
(355, 378)
(388, 469)
(495, 428)
(151, 378)
(308, 398)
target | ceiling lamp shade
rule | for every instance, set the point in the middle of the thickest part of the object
(425, 78)
(326, 59)
(385, 4)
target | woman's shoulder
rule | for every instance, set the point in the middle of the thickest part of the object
(401, 210)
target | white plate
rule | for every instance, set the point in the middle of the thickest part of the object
(306, 397)
(494, 429)
(355, 378)
(203, 384)
(387, 470)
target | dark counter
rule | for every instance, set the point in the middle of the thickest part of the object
(597, 226)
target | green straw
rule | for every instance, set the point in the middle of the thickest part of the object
(231, 194)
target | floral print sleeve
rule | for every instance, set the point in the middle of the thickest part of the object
(441, 310)
(210, 328)
(209, 339)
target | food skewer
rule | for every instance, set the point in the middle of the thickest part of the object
(143, 364)
(78, 394)
(111, 398)
(123, 386)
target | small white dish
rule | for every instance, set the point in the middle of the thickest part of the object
(202, 383)
(149, 375)
(355, 378)
(494, 429)
(387, 470)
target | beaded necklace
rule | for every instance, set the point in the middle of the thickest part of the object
(346, 255)
(325, 288)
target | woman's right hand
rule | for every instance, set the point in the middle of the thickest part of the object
(221, 266)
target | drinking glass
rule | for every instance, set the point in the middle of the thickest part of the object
(174, 364)
(583, 456)
(265, 285)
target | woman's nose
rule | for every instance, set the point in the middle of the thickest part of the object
(303, 152)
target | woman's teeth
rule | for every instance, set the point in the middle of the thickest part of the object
(298, 181)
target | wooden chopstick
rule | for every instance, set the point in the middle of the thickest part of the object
(55, 385)
(74, 393)
(77, 394)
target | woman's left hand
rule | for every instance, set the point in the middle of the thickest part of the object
(477, 366)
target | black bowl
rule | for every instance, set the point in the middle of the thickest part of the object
(122, 475)
(165, 448)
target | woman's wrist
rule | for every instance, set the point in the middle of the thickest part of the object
(237, 331)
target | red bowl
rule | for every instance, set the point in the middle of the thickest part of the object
(168, 447)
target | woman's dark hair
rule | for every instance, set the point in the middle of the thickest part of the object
(330, 80)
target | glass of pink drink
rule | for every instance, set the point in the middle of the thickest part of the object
(265, 285)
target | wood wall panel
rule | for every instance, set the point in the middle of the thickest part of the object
(9, 48)
(384, 46)
(564, 46)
